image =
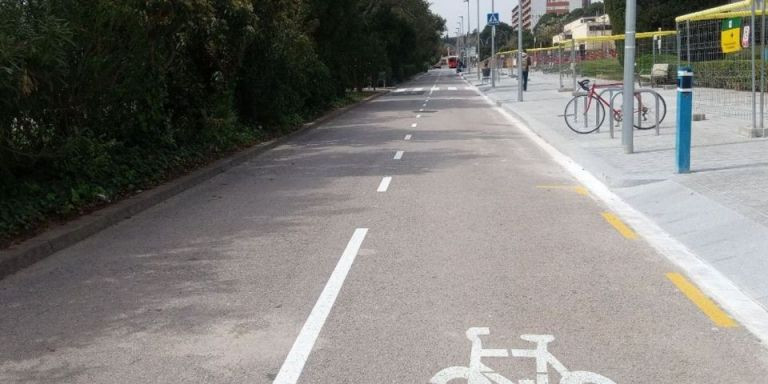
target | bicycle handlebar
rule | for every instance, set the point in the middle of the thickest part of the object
(584, 84)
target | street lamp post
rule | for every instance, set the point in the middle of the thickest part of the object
(493, 48)
(478, 40)
(469, 30)
(520, 51)
(461, 36)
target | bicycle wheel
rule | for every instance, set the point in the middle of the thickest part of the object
(645, 117)
(584, 114)
(644, 110)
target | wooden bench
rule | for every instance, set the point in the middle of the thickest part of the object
(659, 74)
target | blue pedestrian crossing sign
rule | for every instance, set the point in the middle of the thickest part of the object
(493, 19)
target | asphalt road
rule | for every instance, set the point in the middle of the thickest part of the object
(310, 265)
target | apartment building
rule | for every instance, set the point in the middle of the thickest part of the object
(587, 27)
(534, 9)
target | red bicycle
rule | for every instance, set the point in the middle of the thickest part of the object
(586, 113)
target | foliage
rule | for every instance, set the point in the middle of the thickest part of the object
(101, 98)
(655, 14)
(506, 39)
(552, 24)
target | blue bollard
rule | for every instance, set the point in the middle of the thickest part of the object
(684, 117)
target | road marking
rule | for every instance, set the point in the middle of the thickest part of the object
(414, 125)
(619, 225)
(384, 185)
(573, 188)
(544, 359)
(418, 116)
(468, 88)
(418, 89)
(421, 110)
(302, 347)
(435, 89)
(717, 315)
(453, 89)
(399, 155)
(712, 282)
(407, 137)
(400, 90)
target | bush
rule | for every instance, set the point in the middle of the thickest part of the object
(100, 98)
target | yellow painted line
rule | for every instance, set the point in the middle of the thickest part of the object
(581, 190)
(717, 315)
(574, 188)
(619, 225)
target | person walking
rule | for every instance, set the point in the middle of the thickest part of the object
(526, 64)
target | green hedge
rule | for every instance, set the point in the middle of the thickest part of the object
(99, 99)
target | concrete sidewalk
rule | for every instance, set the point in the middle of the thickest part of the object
(719, 211)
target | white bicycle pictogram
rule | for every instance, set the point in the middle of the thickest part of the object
(479, 373)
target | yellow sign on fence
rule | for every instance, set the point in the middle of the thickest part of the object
(730, 35)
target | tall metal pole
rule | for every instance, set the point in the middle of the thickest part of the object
(754, 71)
(466, 39)
(762, 70)
(493, 48)
(478, 41)
(629, 78)
(461, 36)
(520, 51)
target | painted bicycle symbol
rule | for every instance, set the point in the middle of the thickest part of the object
(479, 373)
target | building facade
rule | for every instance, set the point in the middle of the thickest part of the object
(587, 27)
(533, 10)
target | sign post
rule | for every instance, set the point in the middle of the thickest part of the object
(627, 129)
(493, 21)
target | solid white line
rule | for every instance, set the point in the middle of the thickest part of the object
(407, 137)
(716, 285)
(399, 155)
(418, 89)
(384, 184)
(414, 125)
(302, 347)
(400, 90)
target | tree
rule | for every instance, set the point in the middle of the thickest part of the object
(655, 13)
(506, 39)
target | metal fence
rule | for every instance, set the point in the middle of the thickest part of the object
(598, 58)
(725, 47)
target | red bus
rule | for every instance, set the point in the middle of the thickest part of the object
(453, 62)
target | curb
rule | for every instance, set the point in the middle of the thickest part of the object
(22, 255)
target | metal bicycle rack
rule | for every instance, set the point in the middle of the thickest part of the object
(657, 99)
(613, 92)
(616, 91)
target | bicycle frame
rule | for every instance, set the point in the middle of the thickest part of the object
(594, 94)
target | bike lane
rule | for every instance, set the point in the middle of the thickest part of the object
(208, 286)
(503, 239)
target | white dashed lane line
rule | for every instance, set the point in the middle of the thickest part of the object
(399, 155)
(384, 185)
(407, 137)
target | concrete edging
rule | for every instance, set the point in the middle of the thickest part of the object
(30, 251)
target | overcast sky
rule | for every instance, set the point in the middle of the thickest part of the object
(450, 10)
